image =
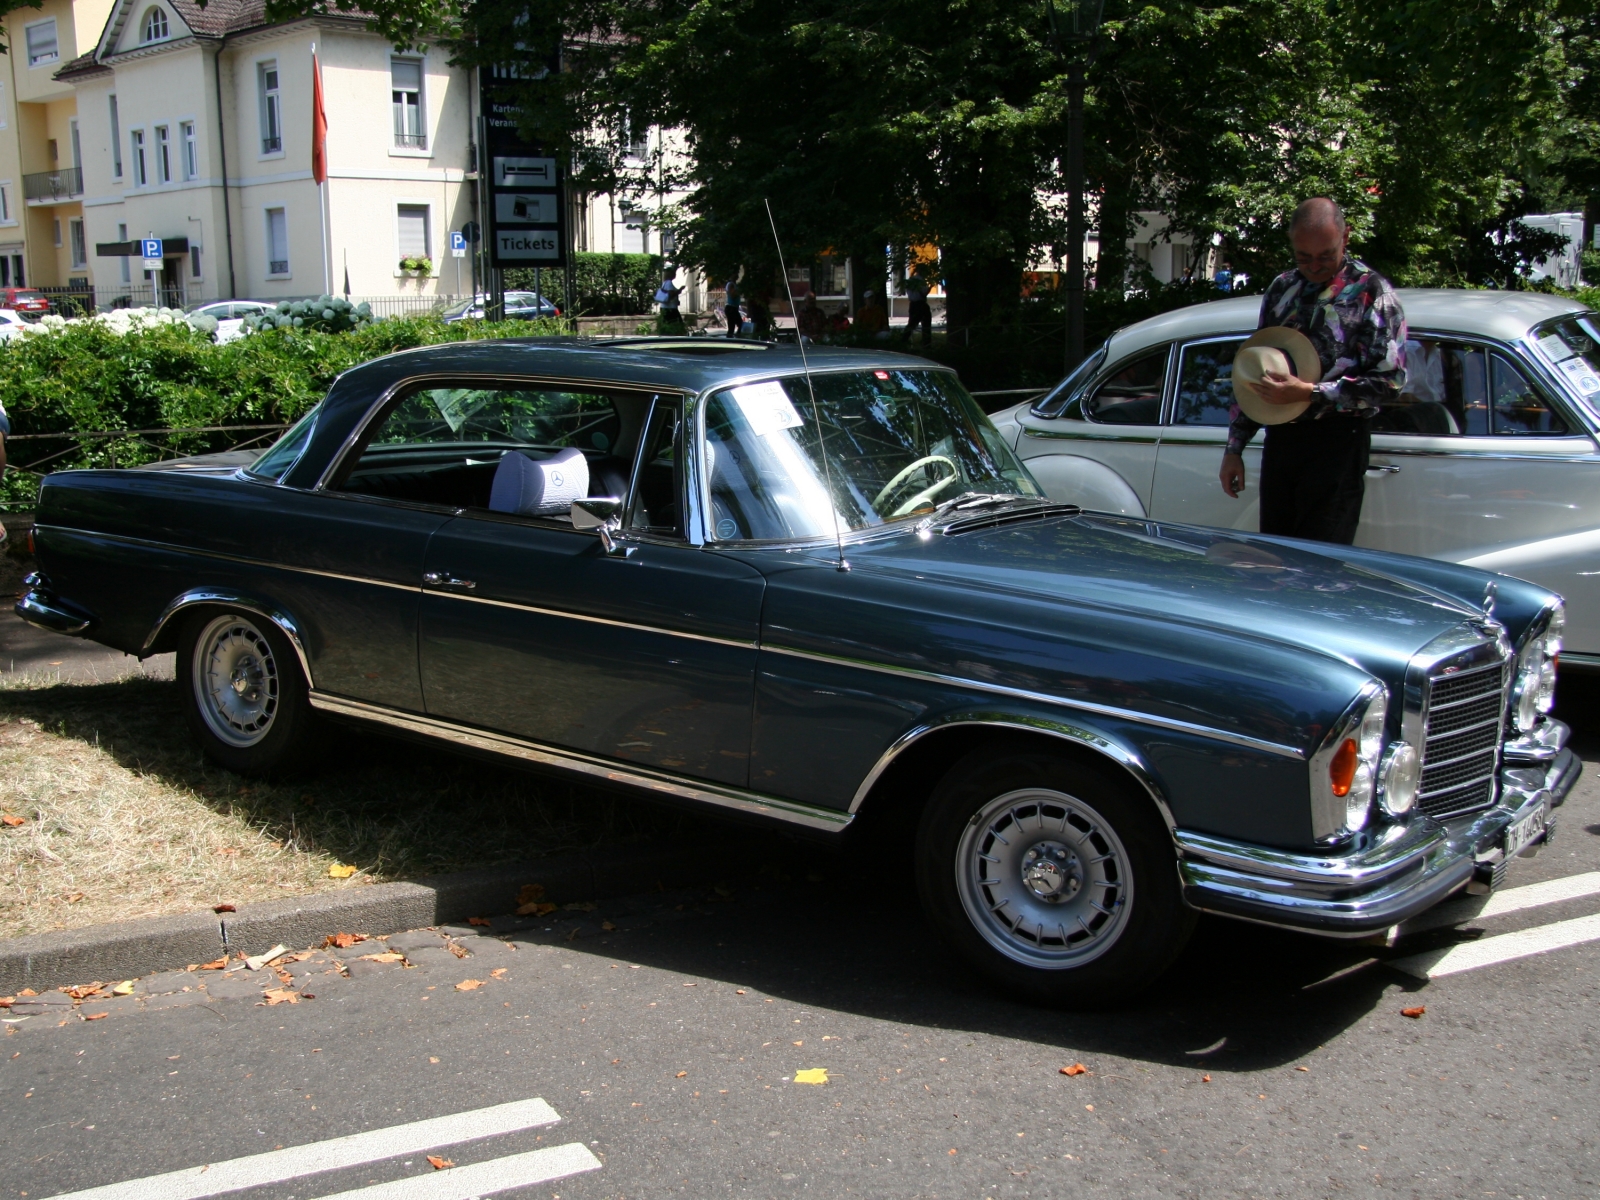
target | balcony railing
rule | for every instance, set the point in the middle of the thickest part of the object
(53, 185)
(411, 141)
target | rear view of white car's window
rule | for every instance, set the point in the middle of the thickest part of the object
(1572, 345)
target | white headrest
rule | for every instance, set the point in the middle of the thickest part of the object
(539, 486)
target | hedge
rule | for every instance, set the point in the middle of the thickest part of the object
(86, 377)
(609, 285)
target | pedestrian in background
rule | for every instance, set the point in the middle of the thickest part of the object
(1314, 464)
(1224, 278)
(667, 297)
(730, 308)
(811, 321)
(919, 311)
(871, 319)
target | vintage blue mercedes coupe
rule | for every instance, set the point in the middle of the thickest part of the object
(828, 594)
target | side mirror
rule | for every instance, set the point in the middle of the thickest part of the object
(603, 514)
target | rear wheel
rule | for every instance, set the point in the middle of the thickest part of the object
(1051, 877)
(244, 693)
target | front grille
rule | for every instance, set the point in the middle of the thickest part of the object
(1461, 740)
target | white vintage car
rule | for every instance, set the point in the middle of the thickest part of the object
(1490, 459)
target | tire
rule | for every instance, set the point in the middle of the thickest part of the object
(244, 694)
(1092, 881)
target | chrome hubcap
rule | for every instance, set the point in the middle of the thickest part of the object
(235, 681)
(1044, 878)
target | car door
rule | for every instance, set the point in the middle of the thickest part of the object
(1097, 447)
(645, 654)
(1187, 487)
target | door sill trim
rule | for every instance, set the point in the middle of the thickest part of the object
(643, 778)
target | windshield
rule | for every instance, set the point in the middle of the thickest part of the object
(898, 444)
(276, 461)
(1572, 344)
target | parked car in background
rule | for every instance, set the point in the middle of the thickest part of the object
(520, 306)
(829, 596)
(1489, 459)
(24, 300)
(12, 323)
(231, 310)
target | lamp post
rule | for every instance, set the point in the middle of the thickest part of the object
(1075, 34)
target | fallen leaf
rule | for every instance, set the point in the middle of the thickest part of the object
(432, 1060)
(85, 990)
(456, 950)
(280, 996)
(439, 1164)
(256, 961)
(344, 940)
(798, 1043)
(7, 1002)
(27, 992)
(812, 1075)
(497, 973)
(1205, 1079)
(478, 921)
(530, 893)
(691, 985)
(681, 1074)
(1076, 1069)
(222, 908)
(952, 1152)
(231, 851)
(469, 985)
(341, 871)
(608, 926)
(1302, 1068)
(13, 821)
(1414, 1013)
(387, 956)
(215, 965)
(1088, 1108)
(99, 1016)
(73, 897)
(125, 988)
(535, 909)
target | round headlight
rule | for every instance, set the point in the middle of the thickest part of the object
(1399, 777)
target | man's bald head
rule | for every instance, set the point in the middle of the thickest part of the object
(1320, 235)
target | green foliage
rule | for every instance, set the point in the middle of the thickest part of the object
(85, 378)
(605, 284)
(325, 314)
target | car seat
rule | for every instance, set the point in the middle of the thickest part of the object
(539, 486)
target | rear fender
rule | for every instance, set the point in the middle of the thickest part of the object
(163, 634)
(1078, 480)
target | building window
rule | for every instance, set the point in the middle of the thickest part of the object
(80, 252)
(5, 204)
(77, 145)
(271, 110)
(16, 271)
(42, 46)
(122, 236)
(155, 26)
(405, 76)
(163, 154)
(191, 152)
(116, 141)
(277, 242)
(194, 263)
(136, 139)
(57, 224)
(414, 231)
(2, 105)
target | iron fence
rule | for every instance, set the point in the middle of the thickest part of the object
(83, 299)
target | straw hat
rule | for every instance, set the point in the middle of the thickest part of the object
(1282, 351)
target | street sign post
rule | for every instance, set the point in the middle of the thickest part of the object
(458, 244)
(150, 250)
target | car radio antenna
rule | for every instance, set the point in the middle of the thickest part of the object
(816, 413)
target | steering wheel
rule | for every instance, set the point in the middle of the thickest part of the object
(926, 493)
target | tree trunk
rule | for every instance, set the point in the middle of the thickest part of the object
(1116, 213)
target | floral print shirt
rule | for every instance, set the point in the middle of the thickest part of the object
(1356, 324)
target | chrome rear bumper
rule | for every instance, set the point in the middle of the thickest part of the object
(1408, 869)
(39, 607)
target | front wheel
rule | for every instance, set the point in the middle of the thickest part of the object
(244, 694)
(1051, 877)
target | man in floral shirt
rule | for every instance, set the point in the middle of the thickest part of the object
(1313, 469)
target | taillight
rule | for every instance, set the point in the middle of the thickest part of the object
(28, 541)
(1342, 770)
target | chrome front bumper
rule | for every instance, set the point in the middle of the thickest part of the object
(1409, 867)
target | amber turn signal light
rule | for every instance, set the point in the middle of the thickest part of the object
(1342, 770)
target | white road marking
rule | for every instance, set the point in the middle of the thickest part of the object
(1469, 956)
(1497, 904)
(276, 1166)
(484, 1178)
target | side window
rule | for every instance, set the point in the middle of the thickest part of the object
(1516, 408)
(656, 508)
(523, 450)
(1205, 384)
(1132, 394)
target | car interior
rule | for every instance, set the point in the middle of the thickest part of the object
(524, 451)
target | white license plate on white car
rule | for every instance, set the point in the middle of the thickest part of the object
(1526, 831)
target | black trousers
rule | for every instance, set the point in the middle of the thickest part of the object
(920, 313)
(1313, 478)
(734, 318)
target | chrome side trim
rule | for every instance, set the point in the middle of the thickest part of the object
(285, 623)
(233, 558)
(1121, 755)
(660, 782)
(572, 616)
(1104, 710)
(1066, 436)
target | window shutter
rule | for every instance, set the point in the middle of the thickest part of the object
(414, 231)
(406, 74)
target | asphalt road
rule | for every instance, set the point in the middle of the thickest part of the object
(1264, 1064)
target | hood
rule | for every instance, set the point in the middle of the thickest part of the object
(1242, 584)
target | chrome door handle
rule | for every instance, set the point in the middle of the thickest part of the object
(1385, 469)
(445, 579)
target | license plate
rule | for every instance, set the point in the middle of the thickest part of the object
(1526, 831)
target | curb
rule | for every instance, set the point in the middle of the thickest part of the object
(129, 949)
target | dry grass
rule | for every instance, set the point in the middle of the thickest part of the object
(123, 816)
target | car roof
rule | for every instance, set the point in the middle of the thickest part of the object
(1505, 316)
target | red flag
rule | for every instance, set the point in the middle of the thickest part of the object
(319, 125)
